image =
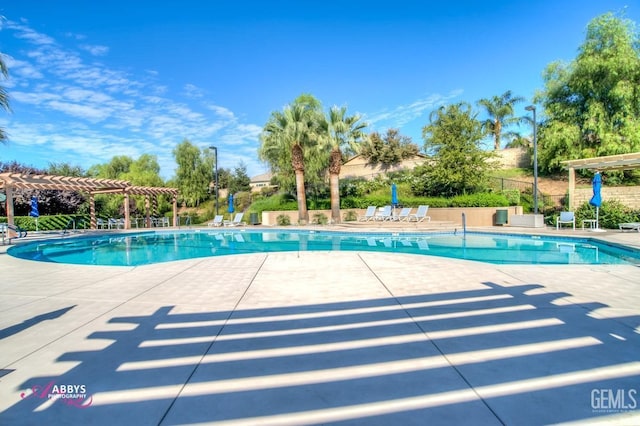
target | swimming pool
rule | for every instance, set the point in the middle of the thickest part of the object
(145, 248)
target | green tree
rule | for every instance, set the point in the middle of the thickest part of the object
(289, 143)
(459, 165)
(114, 169)
(592, 105)
(194, 172)
(239, 180)
(145, 171)
(501, 114)
(65, 169)
(4, 97)
(340, 131)
(389, 149)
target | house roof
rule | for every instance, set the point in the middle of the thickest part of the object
(264, 177)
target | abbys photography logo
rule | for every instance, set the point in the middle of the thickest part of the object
(613, 400)
(69, 394)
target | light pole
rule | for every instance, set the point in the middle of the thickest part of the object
(532, 108)
(215, 173)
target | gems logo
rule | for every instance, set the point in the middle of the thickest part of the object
(69, 394)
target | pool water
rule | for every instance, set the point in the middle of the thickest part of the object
(156, 247)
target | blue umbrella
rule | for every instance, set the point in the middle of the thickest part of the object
(394, 195)
(230, 199)
(34, 209)
(596, 200)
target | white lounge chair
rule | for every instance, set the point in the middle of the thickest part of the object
(237, 220)
(384, 213)
(631, 226)
(566, 218)
(217, 221)
(420, 214)
(369, 214)
(403, 216)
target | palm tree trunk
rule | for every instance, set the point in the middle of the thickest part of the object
(303, 215)
(297, 161)
(334, 182)
(497, 133)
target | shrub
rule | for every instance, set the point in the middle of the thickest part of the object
(513, 196)
(320, 219)
(350, 216)
(612, 213)
(283, 220)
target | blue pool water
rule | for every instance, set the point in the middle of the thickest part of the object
(155, 247)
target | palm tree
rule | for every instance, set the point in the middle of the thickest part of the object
(4, 98)
(340, 131)
(284, 138)
(500, 111)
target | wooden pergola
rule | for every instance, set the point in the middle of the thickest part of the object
(12, 181)
(610, 162)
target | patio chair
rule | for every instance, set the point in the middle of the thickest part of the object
(420, 214)
(566, 218)
(237, 220)
(403, 216)
(384, 213)
(369, 214)
(631, 226)
(217, 221)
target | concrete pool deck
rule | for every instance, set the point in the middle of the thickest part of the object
(322, 337)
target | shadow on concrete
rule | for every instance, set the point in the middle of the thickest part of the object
(14, 329)
(500, 355)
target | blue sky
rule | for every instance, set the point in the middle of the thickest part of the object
(90, 80)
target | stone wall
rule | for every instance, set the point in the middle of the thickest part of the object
(511, 158)
(475, 216)
(627, 195)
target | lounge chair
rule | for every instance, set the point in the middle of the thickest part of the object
(217, 221)
(420, 214)
(369, 214)
(566, 218)
(631, 226)
(237, 220)
(403, 216)
(384, 214)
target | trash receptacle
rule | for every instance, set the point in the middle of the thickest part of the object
(502, 215)
(253, 219)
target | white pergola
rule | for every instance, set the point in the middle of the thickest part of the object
(12, 181)
(610, 162)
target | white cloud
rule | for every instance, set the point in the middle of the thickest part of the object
(85, 113)
(95, 50)
(404, 114)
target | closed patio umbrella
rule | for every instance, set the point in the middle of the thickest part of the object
(596, 200)
(394, 195)
(230, 199)
(34, 210)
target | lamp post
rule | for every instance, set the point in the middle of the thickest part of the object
(215, 173)
(532, 108)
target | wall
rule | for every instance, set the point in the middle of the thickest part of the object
(627, 195)
(511, 158)
(476, 216)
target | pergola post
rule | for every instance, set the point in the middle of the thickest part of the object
(127, 221)
(9, 193)
(92, 211)
(147, 205)
(175, 211)
(572, 188)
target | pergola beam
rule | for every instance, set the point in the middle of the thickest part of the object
(11, 181)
